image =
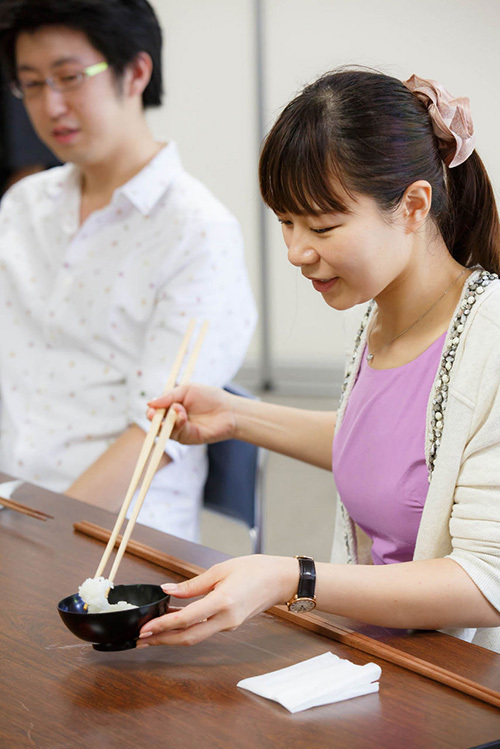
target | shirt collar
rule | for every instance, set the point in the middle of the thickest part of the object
(146, 188)
(68, 178)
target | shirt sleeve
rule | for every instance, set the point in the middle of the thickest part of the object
(206, 279)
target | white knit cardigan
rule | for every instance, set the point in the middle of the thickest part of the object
(461, 516)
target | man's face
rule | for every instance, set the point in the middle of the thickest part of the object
(84, 125)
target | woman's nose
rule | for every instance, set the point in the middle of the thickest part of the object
(301, 251)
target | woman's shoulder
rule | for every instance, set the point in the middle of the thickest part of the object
(477, 375)
(487, 317)
(475, 335)
(492, 300)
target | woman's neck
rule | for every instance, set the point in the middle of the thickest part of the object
(431, 276)
(416, 308)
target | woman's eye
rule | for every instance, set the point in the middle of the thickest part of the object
(284, 222)
(324, 230)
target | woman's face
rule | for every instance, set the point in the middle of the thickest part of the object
(351, 257)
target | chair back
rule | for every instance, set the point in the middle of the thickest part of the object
(233, 485)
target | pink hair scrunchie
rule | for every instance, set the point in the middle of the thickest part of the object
(451, 119)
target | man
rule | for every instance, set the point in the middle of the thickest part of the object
(103, 261)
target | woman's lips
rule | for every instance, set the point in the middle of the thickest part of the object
(323, 285)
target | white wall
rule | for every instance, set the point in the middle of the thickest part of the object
(209, 72)
(211, 109)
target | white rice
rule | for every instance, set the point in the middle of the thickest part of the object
(94, 591)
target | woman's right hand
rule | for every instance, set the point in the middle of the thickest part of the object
(204, 414)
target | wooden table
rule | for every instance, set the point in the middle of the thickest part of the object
(57, 692)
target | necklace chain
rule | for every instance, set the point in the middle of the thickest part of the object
(371, 354)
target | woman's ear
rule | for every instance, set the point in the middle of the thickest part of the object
(416, 204)
(138, 74)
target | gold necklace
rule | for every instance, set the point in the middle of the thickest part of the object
(370, 355)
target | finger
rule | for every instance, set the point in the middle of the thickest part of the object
(183, 618)
(177, 394)
(180, 430)
(191, 636)
(196, 586)
(181, 417)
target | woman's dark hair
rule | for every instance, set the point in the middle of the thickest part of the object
(118, 29)
(368, 134)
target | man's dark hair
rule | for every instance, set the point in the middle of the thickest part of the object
(118, 29)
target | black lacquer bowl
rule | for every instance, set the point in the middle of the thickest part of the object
(115, 630)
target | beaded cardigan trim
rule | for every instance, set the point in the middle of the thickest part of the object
(474, 287)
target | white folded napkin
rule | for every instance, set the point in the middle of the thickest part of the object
(7, 489)
(317, 681)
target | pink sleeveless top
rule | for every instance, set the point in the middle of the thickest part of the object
(378, 453)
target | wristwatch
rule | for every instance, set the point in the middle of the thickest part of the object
(304, 599)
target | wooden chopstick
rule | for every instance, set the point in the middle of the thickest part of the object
(378, 649)
(24, 509)
(145, 450)
(156, 456)
(316, 624)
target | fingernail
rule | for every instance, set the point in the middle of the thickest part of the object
(169, 587)
(145, 634)
(142, 645)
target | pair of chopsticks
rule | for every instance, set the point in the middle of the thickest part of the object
(317, 624)
(160, 430)
(24, 509)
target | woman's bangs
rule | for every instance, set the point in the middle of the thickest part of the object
(298, 179)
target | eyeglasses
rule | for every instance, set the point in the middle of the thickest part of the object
(67, 80)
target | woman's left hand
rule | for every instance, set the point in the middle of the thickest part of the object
(233, 591)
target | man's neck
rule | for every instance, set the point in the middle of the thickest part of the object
(100, 180)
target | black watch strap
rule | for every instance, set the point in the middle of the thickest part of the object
(307, 577)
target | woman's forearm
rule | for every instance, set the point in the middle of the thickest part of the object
(428, 594)
(304, 435)
(431, 594)
(208, 414)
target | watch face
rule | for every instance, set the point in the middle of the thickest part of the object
(301, 605)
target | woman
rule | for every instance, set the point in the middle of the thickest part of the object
(382, 197)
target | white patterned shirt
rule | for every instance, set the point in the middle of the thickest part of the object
(92, 317)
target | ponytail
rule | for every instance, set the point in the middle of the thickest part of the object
(471, 228)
